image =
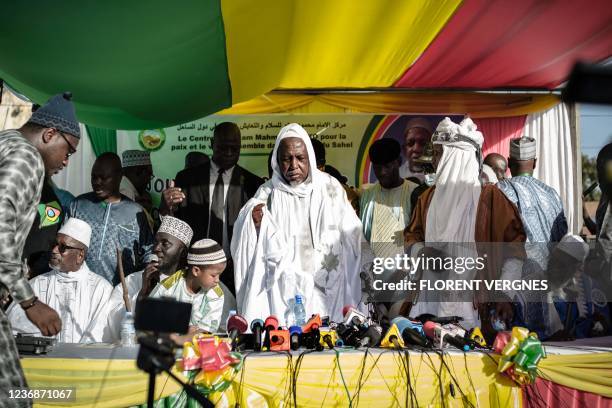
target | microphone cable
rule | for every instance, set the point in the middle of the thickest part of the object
(413, 397)
(355, 398)
(453, 377)
(439, 376)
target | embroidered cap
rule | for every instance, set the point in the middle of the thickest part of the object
(206, 252)
(177, 228)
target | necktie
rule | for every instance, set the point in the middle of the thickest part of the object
(217, 207)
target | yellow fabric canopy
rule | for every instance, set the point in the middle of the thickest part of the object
(477, 105)
(288, 44)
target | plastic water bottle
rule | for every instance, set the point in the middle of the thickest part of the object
(128, 333)
(299, 312)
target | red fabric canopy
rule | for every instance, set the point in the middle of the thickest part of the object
(522, 43)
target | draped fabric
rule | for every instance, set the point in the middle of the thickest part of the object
(102, 140)
(525, 43)
(498, 132)
(557, 159)
(477, 105)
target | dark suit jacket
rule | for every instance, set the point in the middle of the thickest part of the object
(195, 184)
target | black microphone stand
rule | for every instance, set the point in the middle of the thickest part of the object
(156, 355)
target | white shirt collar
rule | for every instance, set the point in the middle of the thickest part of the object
(214, 169)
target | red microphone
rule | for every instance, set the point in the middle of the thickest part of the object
(271, 323)
(236, 325)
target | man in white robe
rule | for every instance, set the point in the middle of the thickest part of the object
(79, 295)
(298, 235)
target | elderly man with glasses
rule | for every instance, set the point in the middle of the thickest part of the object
(79, 295)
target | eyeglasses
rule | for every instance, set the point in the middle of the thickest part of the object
(63, 247)
(71, 149)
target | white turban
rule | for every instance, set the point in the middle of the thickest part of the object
(77, 229)
(278, 181)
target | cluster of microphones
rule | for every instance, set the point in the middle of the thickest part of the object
(357, 331)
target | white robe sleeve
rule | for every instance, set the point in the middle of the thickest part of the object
(98, 314)
(246, 249)
(352, 236)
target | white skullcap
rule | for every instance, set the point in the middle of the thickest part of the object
(523, 148)
(206, 252)
(574, 246)
(419, 123)
(133, 158)
(77, 229)
(177, 228)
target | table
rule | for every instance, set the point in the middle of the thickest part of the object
(107, 376)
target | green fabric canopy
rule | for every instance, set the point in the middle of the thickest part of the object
(161, 54)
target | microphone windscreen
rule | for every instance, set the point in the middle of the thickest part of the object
(271, 321)
(346, 309)
(255, 323)
(295, 330)
(430, 329)
(237, 322)
(153, 258)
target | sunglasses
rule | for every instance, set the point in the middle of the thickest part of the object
(63, 247)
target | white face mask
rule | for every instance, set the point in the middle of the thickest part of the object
(430, 179)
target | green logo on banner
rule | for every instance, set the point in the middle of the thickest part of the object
(50, 213)
(152, 139)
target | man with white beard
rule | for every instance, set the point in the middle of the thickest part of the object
(79, 295)
(298, 235)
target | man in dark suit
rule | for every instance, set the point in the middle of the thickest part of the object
(209, 197)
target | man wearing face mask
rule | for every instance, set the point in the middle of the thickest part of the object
(80, 296)
(208, 197)
(116, 222)
(299, 235)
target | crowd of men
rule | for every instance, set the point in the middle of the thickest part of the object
(227, 240)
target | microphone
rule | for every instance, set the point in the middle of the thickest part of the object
(393, 338)
(279, 340)
(271, 323)
(418, 326)
(312, 324)
(349, 334)
(256, 327)
(236, 325)
(409, 332)
(294, 335)
(372, 336)
(352, 316)
(328, 338)
(444, 336)
(475, 335)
